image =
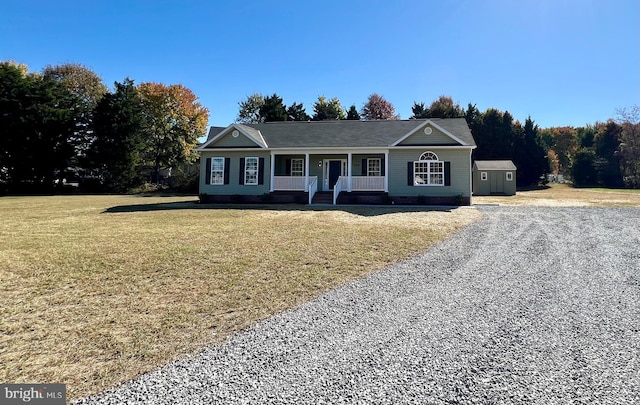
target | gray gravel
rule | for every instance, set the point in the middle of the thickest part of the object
(529, 305)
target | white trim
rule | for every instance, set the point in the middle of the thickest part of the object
(386, 171)
(301, 171)
(272, 170)
(226, 131)
(470, 179)
(325, 172)
(509, 176)
(349, 171)
(379, 166)
(319, 151)
(484, 176)
(428, 173)
(306, 173)
(246, 160)
(211, 183)
(433, 124)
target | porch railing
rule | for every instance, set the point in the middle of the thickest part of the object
(340, 186)
(313, 187)
(289, 183)
(367, 183)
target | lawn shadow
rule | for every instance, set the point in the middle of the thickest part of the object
(362, 210)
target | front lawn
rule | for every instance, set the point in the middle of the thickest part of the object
(97, 289)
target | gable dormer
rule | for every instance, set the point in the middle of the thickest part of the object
(236, 136)
(429, 133)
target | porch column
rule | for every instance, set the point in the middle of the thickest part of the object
(273, 171)
(386, 171)
(306, 172)
(349, 171)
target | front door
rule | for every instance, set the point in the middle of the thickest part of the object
(333, 168)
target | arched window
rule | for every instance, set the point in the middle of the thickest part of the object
(428, 171)
(428, 155)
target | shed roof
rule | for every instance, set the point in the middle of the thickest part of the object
(494, 165)
(346, 133)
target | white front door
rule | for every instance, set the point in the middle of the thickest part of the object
(332, 169)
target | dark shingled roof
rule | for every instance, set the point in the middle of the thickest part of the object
(346, 133)
(495, 165)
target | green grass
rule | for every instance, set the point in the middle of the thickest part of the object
(98, 289)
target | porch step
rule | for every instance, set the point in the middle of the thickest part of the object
(323, 197)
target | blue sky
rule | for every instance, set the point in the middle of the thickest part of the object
(563, 62)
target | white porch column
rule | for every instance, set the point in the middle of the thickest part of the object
(306, 172)
(273, 171)
(386, 171)
(349, 171)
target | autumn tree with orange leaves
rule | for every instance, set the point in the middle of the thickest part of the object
(174, 119)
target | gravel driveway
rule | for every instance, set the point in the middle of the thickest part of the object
(528, 305)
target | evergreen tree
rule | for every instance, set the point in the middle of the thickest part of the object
(328, 109)
(117, 153)
(296, 112)
(353, 114)
(273, 109)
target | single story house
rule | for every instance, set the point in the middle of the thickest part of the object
(422, 161)
(494, 177)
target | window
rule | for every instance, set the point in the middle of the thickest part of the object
(428, 156)
(509, 176)
(374, 167)
(217, 170)
(297, 167)
(483, 176)
(251, 171)
(428, 171)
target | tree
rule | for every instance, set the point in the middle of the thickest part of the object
(273, 109)
(37, 118)
(88, 89)
(352, 114)
(419, 111)
(79, 80)
(377, 108)
(629, 148)
(117, 152)
(328, 109)
(529, 155)
(494, 135)
(607, 144)
(563, 142)
(583, 170)
(249, 112)
(296, 112)
(173, 120)
(443, 107)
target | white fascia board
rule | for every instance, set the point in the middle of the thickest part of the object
(422, 125)
(433, 147)
(226, 131)
(214, 138)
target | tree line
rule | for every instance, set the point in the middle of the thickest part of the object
(605, 154)
(497, 134)
(64, 125)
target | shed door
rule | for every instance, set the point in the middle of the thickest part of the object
(497, 183)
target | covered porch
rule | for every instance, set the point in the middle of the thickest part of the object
(329, 171)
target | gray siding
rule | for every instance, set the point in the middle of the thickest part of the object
(496, 182)
(435, 138)
(460, 173)
(228, 141)
(234, 174)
